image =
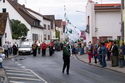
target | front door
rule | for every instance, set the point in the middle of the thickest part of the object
(0, 41)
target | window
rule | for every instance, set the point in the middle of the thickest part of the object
(35, 37)
(5, 35)
(36, 23)
(48, 27)
(0, 41)
(4, 9)
(44, 26)
(48, 37)
(44, 36)
(3, 1)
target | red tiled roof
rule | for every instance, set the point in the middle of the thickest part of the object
(34, 11)
(3, 20)
(37, 13)
(64, 23)
(50, 17)
(58, 23)
(107, 5)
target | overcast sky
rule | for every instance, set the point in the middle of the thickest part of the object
(56, 7)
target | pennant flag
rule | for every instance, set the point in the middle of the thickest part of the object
(70, 31)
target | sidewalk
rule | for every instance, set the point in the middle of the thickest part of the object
(3, 76)
(84, 58)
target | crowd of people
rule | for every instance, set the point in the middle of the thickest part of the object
(108, 51)
(38, 48)
(102, 52)
(10, 49)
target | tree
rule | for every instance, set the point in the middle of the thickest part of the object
(19, 30)
(58, 34)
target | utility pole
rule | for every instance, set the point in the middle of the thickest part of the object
(122, 21)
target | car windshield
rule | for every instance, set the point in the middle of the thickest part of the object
(25, 46)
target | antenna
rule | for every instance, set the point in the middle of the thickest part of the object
(101, 1)
(25, 1)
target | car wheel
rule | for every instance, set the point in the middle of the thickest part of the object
(19, 53)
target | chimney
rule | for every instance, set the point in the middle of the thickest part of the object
(23, 5)
(16, 1)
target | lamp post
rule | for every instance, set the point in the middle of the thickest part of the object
(122, 21)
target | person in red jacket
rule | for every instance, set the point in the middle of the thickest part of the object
(51, 45)
(43, 48)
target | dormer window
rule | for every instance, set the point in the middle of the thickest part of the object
(4, 10)
(36, 23)
(3, 1)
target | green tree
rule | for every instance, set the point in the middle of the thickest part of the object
(19, 30)
(58, 34)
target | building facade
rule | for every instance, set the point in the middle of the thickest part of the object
(103, 22)
(60, 27)
(36, 23)
(5, 30)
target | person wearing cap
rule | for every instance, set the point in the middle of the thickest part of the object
(34, 48)
(66, 58)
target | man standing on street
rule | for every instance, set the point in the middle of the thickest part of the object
(34, 48)
(5, 46)
(66, 58)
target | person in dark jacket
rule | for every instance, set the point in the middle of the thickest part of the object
(34, 48)
(115, 53)
(66, 58)
(15, 49)
(51, 48)
(103, 54)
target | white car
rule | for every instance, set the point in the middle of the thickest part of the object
(2, 55)
(25, 49)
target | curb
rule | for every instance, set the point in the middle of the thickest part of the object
(6, 78)
(3, 76)
(97, 65)
(11, 57)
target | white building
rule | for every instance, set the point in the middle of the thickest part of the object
(103, 21)
(33, 20)
(60, 26)
(50, 29)
(5, 30)
(46, 22)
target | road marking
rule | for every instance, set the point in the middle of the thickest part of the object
(11, 68)
(21, 78)
(38, 76)
(16, 71)
(19, 64)
(23, 67)
(20, 74)
(15, 82)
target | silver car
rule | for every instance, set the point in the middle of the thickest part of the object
(25, 49)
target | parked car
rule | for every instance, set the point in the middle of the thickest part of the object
(25, 48)
(2, 56)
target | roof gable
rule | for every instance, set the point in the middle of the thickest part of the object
(24, 13)
(3, 20)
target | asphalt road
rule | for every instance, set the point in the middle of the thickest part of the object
(49, 70)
